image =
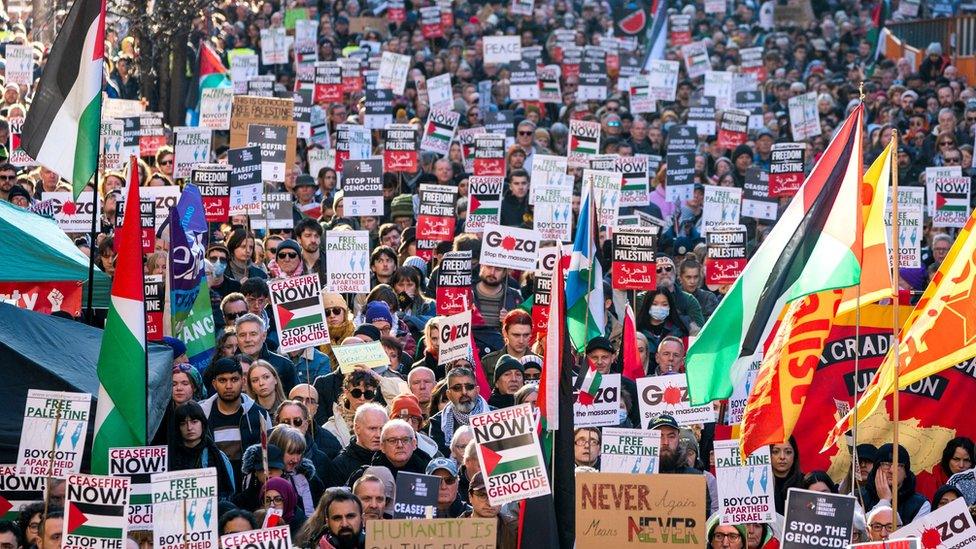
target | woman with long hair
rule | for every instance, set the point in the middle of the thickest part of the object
(785, 459)
(658, 317)
(194, 448)
(264, 386)
(338, 320)
(298, 470)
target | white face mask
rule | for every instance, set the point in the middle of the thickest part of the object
(659, 312)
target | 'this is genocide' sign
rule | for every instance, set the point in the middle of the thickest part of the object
(509, 453)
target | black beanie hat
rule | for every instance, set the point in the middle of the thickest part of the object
(506, 363)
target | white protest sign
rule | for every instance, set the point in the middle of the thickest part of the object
(911, 213)
(454, 337)
(297, 306)
(697, 61)
(164, 197)
(393, 72)
(215, 108)
(95, 512)
(605, 188)
(605, 408)
(509, 454)
(347, 255)
(745, 488)
(635, 451)
(439, 131)
(192, 147)
(439, 92)
(19, 64)
(53, 420)
(718, 84)
(185, 509)
(553, 192)
(274, 46)
(499, 50)
(663, 78)
(509, 247)
(278, 537)
(668, 394)
(242, 69)
(804, 116)
(139, 463)
(73, 216)
(950, 527)
(722, 207)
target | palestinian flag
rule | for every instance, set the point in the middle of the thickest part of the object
(509, 455)
(549, 86)
(96, 520)
(634, 181)
(62, 126)
(483, 204)
(817, 245)
(120, 419)
(438, 131)
(951, 202)
(583, 145)
(140, 493)
(591, 384)
(657, 36)
(301, 312)
(16, 491)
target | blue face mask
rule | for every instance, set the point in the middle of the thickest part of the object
(219, 267)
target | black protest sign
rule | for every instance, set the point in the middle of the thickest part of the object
(362, 186)
(682, 138)
(755, 196)
(501, 122)
(416, 495)
(213, 181)
(454, 283)
(817, 519)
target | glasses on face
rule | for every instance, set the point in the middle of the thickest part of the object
(234, 316)
(946, 143)
(463, 387)
(287, 255)
(294, 422)
(721, 537)
(532, 377)
(277, 500)
(272, 251)
(665, 269)
(587, 442)
(217, 258)
(368, 394)
(525, 133)
(887, 465)
(8, 177)
(401, 441)
(334, 311)
(952, 160)
(166, 162)
(877, 527)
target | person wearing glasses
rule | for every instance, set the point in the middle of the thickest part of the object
(449, 502)
(407, 407)
(358, 388)
(881, 523)
(280, 495)
(8, 175)
(287, 260)
(398, 450)
(338, 320)
(164, 162)
(586, 447)
(220, 285)
(877, 490)
(725, 536)
(299, 470)
(232, 307)
(464, 402)
(324, 441)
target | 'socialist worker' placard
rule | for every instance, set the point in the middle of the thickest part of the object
(509, 453)
(298, 312)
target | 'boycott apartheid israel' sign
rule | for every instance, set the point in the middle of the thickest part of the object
(509, 454)
(297, 305)
(347, 254)
(745, 489)
(139, 463)
(185, 507)
(95, 509)
(57, 421)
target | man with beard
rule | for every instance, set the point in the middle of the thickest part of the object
(309, 235)
(493, 297)
(344, 527)
(462, 392)
(371, 492)
(673, 458)
(481, 508)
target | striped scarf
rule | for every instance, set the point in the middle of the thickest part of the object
(451, 416)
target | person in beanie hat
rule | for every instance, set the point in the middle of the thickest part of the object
(18, 196)
(741, 160)
(179, 349)
(407, 408)
(727, 537)
(509, 378)
(877, 491)
(287, 261)
(378, 314)
(401, 210)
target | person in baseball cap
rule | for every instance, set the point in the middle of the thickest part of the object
(674, 457)
(449, 502)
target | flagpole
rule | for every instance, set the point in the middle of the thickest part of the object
(50, 470)
(93, 237)
(895, 259)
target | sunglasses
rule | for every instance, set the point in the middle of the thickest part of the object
(665, 269)
(8, 177)
(217, 258)
(532, 377)
(948, 160)
(296, 422)
(165, 162)
(368, 394)
(944, 143)
(287, 255)
(450, 481)
(463, 387)
(234, 316)
(334, 311)
(525, 133)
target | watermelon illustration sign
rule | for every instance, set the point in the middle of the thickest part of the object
(510, 455)
(95, 511)
(297, 306)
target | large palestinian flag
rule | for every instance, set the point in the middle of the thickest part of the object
(95, 520)
(62, 125)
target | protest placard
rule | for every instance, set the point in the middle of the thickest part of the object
(454, 337)
(668, 394)
(604, 408)
(721, 207)
(328, 82)
(718, 84)
(951, 200)
(624, 510)
(393, 72)
(147, 222)
(297, 306)
(435, 217)
(911, 209)
(702, 118)
(634, 180)
(584, 142)
(439, 131)
(725, 258)
(745, 488)
(276, 212)
(454, 292)
(641, 100)
(19, 64)
(439, 92)
(542, 292)
(489, 154)
(634, 451)
(18, 490)
(549, 89)
(888, 544)
(817, 519)
(484, 202)
(95, 508)
(365, 355)
(603, 188)
(593, 80)
(697, 61)
(431, 533)
(215, 108)
(400, 151)
(303, 112)
(362, 186)
(261, 86)
(245, 181)
(185, 509)
(756, 202)
(58, 421)
(679, 29)
(948, 527)
(633, 266)
(192, 147)
(553, 192)
(416, 495)
(347, 255)
(72, 216)
(499, 50)
(509, 454)
(524, 80)
(139, 464)
(269, 111)
(213, 180)
(353, 142)
(274, 46)
(466, 138)
(804, 116)
(164, 198)
(786, 168)
(242, 69)
(509, 247)
(733, 128)
(679, 175)
(110, 143)
(662, 75)
(379, 108)
(273, 142)
(278, 537)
